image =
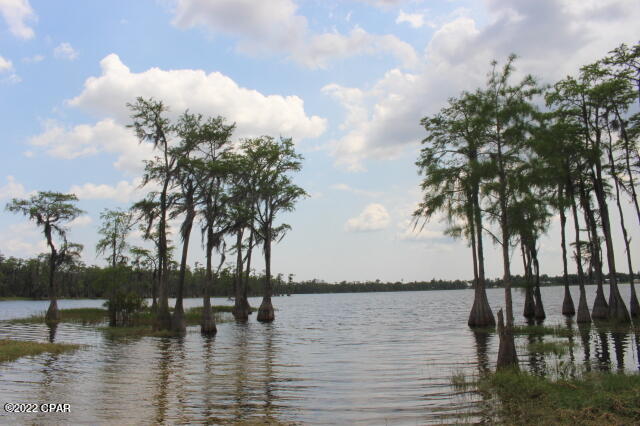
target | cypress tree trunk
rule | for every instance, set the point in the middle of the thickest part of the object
(507, 356)
(567, 303)
(617, 309)
(583, 309)
(266, 312)
(163, 320)
(52, 314)
(529, 310)
(481, 314)
(178, 322)
(600, 308)
(248, 273)
(240, 311)
(208, 323)
(540, 314)
(634, 298)
(507, 353)
(154, 290)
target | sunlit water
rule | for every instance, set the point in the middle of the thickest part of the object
(368, 358)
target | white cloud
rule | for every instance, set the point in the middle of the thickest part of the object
(322, 48)
(123, 191)
(416, 20)
(5, 65)
(346, 188)
(16, 13)
(13, 189)
(374, 217)
(553, 39)
(84, 140)
(210, 94)
(274, 26)
(33, 59)
(65, 51)
(80, 221)
(22, 240)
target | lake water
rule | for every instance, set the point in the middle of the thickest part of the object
(367, 358)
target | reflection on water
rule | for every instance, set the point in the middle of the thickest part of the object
(330, 359)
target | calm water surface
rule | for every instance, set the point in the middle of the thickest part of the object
(368, 358)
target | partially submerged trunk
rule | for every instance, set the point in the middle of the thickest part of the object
(266, 312)
(600, 308)
(617, 309)
(583, 316)
(539, 310)
(208, 322)
(507, 356)
(567, 302)
(529, 310)
(163, 319)
(179, 323)
(480, 315)
(52, 315)
(154, 290)
(241, 306)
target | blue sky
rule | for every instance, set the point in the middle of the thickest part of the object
(348, 80)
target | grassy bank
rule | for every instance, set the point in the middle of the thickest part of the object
(591, 399)
(14, 349)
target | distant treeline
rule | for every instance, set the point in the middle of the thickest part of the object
(28, 278)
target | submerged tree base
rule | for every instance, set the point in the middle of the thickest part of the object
(53, 314)
(634, 307)
(266, 312)
(584, 316)
(617, 309)
(568, 308)
(600, 307)
(481, 314)
(507, 355)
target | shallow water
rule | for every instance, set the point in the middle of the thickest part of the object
(368, 358)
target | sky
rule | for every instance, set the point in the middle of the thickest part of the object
(348, 80)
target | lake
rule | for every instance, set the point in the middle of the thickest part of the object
(368, 358)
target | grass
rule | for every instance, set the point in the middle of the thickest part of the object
(100, 315)
(14, 349)
(76, 315)
(591, 399)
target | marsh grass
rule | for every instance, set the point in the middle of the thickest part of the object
(589, 399)
(76, 315)
(13, 349)
(101, 315)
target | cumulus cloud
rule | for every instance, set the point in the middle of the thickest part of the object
(33, 59)
(322, 48)
(211, 94)
(274, 25)
(346, 188)
(65, 51)
(416, 20)
(80, 221)
(374, 217)
(84, 140)
(5, 65)
(16, 14)
(553, 39)
(22, 240)
(123, 191)
(13, 189)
